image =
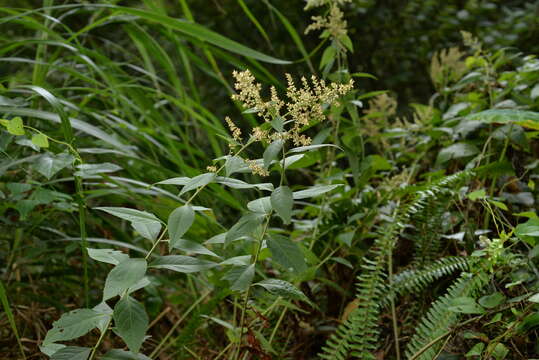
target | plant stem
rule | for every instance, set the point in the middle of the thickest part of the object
(246, 300)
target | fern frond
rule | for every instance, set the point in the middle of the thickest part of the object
(439, 319)
(358, 335)
(417, 279)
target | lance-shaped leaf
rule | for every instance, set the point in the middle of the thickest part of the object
(179, 221)
(287, 253)
(282, 202)
(314, 191)
(72, 353)
(283, 288)
(72, 325)
(131, 322)
(123, 276)
(272, 152)
(198, 181)
(240, 277)
(181, 263)
(245, 226)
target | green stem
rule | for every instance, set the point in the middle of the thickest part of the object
(246, 300)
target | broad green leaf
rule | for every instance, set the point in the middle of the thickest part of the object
(105, 311)
(498, 204)
(272, 152)
(117, 354)
(89, 170)
(241, 277)
(476, 350)
(287, 253)
(282, 202)
(193, 247)
(242, 260)
(130, 322)
(245, 226)
(129, 214)
(179, 221)
(234, 164)
(500, 351)
(145, 223)
(40, 140)
(282, 288)
(314, 191)
(239, 184)
(148, 230)
(181, 263)
(175, 181)
(534, 298)
(123, 276)
(492, 300)
(456, 151)
(49, 164)
(50, 348)
(198, 181)
(311, 147)
(524, 118)
(108, 256)
(72, 325)
(528, 231)
(262, 205)
(72, 353)
(15, 126)
(478, 194)
(465, 305)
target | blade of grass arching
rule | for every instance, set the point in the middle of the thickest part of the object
(293, 34)
(40, 71)
(69, 138)
(10, 317)
(256, 23)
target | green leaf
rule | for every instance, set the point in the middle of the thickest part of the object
(465, 305)
(117, 354)
(327, 56)
(106, 313)
(498, 204)
(181, 263)
(476, 350)
(500, 351)
(282, 288)
(131, 322)
(123, 276)
(245, 278)
(72, 353)
(49, 164)
(456, 151)
(234, 164)
(145, 223)
(272, 152)
(528, 231)
(40, 140)
(108, 256)
(198, 181)
(262, 205)
(179, 221)
(527, 119)
(492, 300)
(89, 170)
(72, 325)
(15, 126)
(129, 214)
(478, 194)
(239, 184)
(50, 348)
(314, 191)
(287, 253)
(534, 298)
(282, 202)
(193, 247)
(245, 226)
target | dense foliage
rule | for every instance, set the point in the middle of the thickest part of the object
(332, 179)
